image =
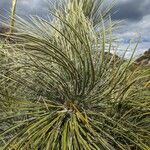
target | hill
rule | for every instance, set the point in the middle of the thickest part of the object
(144, 60)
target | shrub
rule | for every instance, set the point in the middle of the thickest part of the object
(61, 90)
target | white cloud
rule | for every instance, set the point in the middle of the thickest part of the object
(133, 30)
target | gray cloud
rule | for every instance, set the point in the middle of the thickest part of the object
(36, 7)
(25, 7)
(4, 7)
(136, 13)
(133, 10)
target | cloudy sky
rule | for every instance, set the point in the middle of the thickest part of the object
(135, 13)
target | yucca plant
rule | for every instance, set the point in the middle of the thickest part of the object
(12, 19)
(63, 90)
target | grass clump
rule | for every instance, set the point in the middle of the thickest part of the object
(60, 90)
